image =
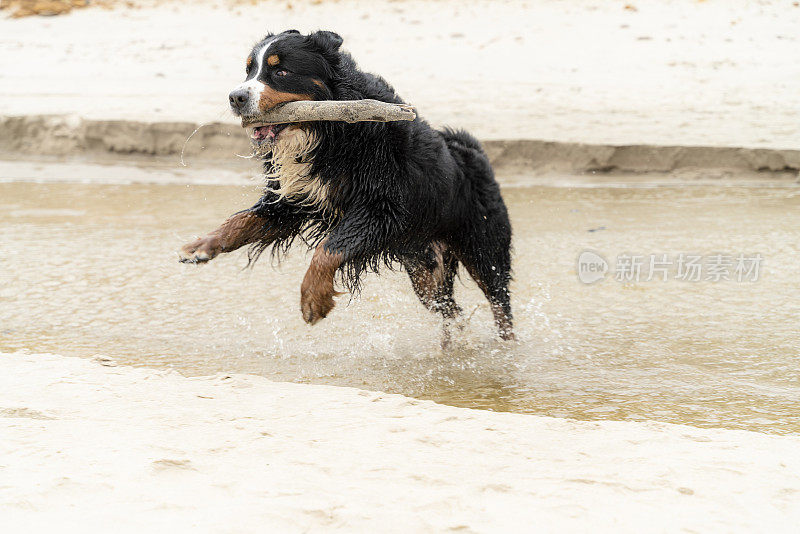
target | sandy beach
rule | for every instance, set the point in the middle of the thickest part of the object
(680, 73)
(88, 445)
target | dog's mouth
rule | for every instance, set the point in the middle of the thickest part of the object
(264, 133)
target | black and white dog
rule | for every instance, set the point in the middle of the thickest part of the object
(365, 194)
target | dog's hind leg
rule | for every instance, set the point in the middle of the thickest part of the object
(432, 277)
(483, 240)
(491, 270)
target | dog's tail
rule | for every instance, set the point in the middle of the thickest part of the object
(461, 138)
(470, 156)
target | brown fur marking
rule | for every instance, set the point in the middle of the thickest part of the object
(271, 98)
(424, 285)
(249, 61)
(433, 286)
(237, 231)
(316, 291)
(317, 82)
(439, 249)
(273, 60)
(501, 320)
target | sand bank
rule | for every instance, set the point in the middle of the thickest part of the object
(218, 143)
(89, 445)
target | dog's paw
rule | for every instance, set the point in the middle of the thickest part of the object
(200, 250)
(316, 303)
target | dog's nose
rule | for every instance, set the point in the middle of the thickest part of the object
(238, 99)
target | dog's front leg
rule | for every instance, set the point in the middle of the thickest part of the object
(353, 242)
(316, 291)
(238, 230)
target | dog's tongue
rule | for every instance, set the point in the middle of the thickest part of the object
(269, 131)
(264, 132)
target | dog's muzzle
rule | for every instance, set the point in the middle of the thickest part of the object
(240, 100)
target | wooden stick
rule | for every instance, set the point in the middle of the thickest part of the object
(334, 110)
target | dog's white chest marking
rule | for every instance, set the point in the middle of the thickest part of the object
(292, 169)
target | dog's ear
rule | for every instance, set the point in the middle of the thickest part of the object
(327, 41)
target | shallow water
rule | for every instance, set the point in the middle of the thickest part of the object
(92, 270)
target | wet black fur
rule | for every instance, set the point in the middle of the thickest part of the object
(395, 187)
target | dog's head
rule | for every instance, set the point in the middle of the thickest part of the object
(281, 68)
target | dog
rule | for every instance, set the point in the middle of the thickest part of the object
(363, 195)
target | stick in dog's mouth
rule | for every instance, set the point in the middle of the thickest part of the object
(331, 110)
(266, 127)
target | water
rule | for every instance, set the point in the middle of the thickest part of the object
(92, 270)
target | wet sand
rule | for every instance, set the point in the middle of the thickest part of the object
(92, 270)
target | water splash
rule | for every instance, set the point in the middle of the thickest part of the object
(183, 163)
(222, 115)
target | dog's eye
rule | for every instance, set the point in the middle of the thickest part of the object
(281, 72)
